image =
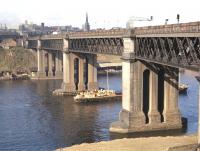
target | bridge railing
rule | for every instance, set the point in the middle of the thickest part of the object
(98, 33)
(32, 44)
(57, 36)
(169, 29)
(13, 33)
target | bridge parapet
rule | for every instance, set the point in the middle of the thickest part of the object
(34, 38)
(98, 41)
(56, 36)
(98, 34)
(172, 30)
(113, 33)
(3, 33)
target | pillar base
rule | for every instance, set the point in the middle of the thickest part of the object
(81, 87)
(132, 118)
(59, 74)
(41, 74)
(68, 87)
(120, 127)
(154, 117)
(50, 74)
(93, 86)
(172, 117)
(135, 122)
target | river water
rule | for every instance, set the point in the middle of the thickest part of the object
(32, 119)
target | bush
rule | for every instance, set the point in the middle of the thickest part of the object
(17, 59)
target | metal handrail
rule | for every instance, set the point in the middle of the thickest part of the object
(168, 29)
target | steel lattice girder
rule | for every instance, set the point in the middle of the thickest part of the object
(97, 45)
(32, 44)
(173, 51)
(54, 44)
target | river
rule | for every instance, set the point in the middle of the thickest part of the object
(31, 118)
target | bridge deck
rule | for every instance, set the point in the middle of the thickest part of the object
(175, 45)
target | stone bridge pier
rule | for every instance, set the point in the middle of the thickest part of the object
(150, 95)
(49, 63)
(79, 72)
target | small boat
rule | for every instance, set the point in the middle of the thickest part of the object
(182, 88)
(97, 95)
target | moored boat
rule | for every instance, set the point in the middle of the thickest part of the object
(182, 88)
(97, 95)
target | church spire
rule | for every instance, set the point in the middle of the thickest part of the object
(87, 25)
(86, 17)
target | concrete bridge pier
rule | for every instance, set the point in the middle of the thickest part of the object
(150, 95)
(131, 117)
(142, 107)
(92, 72)
(50, 64)
(68, 84)
(40, 62)
(79, 73)
(154, 115)
(58, 65)
(81, 84)
(171, 111)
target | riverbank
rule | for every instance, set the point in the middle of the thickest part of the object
(138, 144)
(15, 77)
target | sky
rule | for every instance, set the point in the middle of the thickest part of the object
(101, 13)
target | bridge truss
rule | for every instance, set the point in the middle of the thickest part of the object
(173, 51)
(112, 46)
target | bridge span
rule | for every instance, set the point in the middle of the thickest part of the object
(8, 35)
(151, 58)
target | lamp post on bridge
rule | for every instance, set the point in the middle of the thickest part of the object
(178, 18)
(166, 20)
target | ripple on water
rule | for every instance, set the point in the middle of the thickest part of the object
(32, 119)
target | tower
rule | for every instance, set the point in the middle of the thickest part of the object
(42, 26)
(87, 25)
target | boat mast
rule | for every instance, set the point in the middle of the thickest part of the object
(107, 80)
(179, 76)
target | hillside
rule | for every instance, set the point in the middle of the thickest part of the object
(17, 59)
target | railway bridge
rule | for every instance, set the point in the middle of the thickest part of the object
(151, 59)
(8, 35)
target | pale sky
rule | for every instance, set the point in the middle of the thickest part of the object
(101, 13)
